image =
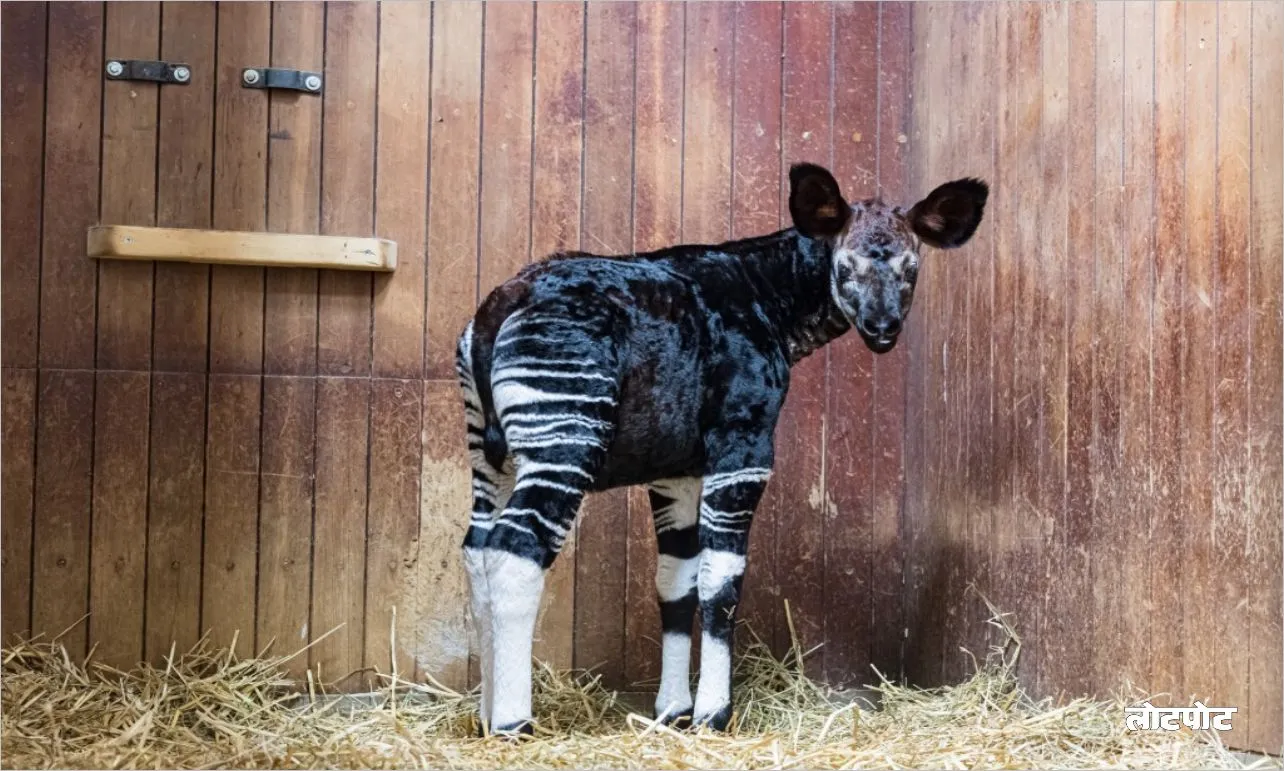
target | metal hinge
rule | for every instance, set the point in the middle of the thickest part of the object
(154, 72)
(279, 77)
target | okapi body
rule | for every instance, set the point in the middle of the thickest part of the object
(666, 369)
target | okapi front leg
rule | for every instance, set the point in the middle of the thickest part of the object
(726, 508)
(675, 505)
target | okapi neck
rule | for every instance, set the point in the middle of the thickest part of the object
(794, 286)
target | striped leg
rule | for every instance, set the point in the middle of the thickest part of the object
(554, 403)
(727, 504)
(675, 504)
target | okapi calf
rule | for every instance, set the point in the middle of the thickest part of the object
(666, 369)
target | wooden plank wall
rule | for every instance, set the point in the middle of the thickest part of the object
(267, 455)
(1094, 398)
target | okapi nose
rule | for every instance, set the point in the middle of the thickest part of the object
(881, 328)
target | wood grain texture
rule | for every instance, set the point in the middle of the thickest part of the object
(797, 494)
(1073, 599)
(347, 181)
(1198, 374)
(184, 186)
(1234, 511)
(657, 223)
(1167, 515)
(63, 501)
(555, 225)
(1134, 481)
(392, 523)
(607, 229)
(240, 185)
(294, 190)
(436, 588)
(1109, 551)
(890, 370)
(118, 548)
(175, 520)
(453, 182)
(506, 135)
(231, 538)
(17, 484)
(73, 117)
(339, 549)
(283, 617)
(128, 187)
(1266, 421)
(401, 189)
(22, 57)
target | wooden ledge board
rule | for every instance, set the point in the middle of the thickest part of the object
(283, 250)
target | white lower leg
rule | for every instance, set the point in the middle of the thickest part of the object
(475, 566)
(674, 697)
(516, 584)
(714, 691)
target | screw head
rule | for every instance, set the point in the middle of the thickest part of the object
(115, 69)
(250, 76)
(182, 74)
(313, 83)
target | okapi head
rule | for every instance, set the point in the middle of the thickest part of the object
(876, 245)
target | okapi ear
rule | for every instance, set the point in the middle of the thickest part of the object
(815, 202)
(950, 214)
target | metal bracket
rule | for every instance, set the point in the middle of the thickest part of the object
(154, 72)
(280, 77)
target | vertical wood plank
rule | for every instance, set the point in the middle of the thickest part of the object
(890, 370)
(917, 344)
(454, 182)
(347, 181)
(231, 540)
(657, 222)
(555, 225)
(1235, 517)
(506, 130)
(17, 483)
(118, 548)
(1266, 424)
(22, 57)
(1167, 515)
(285, 517)
(795, 500)
(128, 188)
(953, 365)
(851, 406)
(339, 555)
(184, 186)
(1025, 519)
(174, 522)
(240, 185)
(1054, 263)
(401, 192)
(63, 498)
(392, 522)
(294, 190)
(607, 229)
(73, 118)
(438, 587)
(1198, 373)
(1109, 551)
(1134, 481)
(1072, 602)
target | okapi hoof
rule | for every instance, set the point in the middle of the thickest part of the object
(515, 730)
(679, 720)
(718, 721)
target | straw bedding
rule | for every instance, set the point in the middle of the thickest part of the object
(207, 708)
